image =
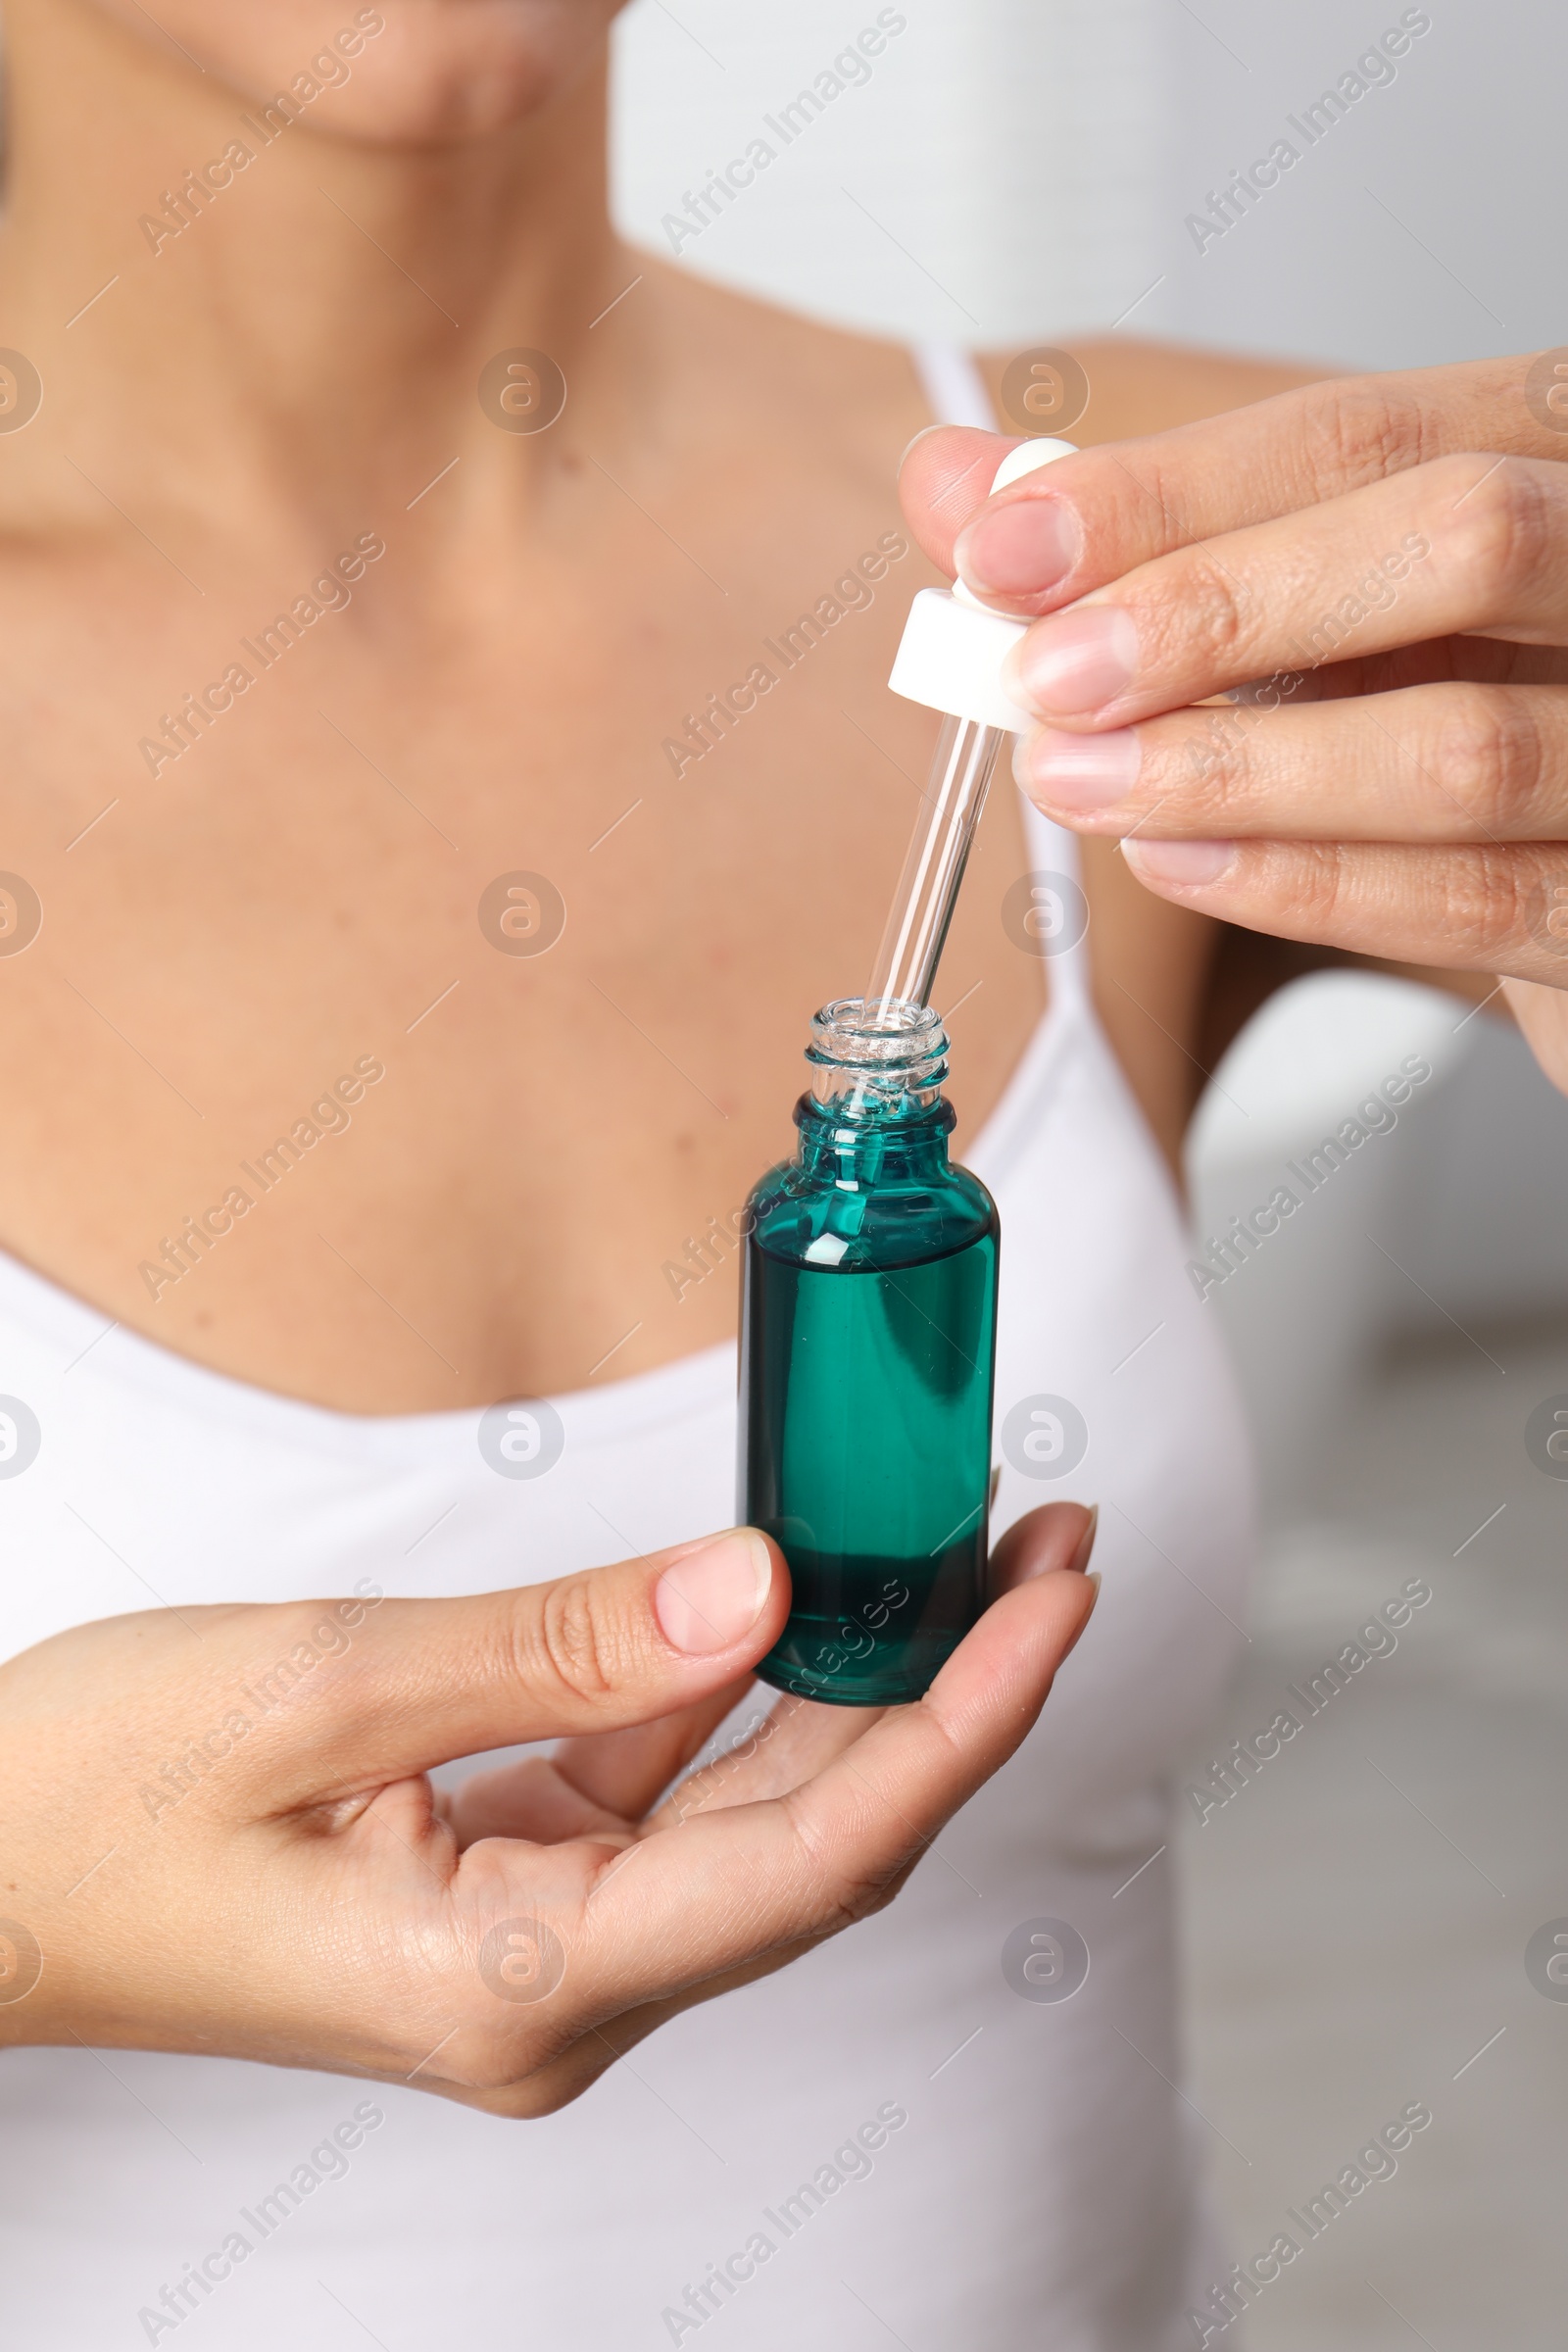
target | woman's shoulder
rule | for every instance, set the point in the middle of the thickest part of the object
(838, 384)
(1137, 387)
(851, 381)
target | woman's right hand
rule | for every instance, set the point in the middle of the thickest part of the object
(1373, 574)
(218, 1835)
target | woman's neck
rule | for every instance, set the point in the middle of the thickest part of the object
(314, 331)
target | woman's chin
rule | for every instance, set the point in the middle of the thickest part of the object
(409, 104)
(421, 74)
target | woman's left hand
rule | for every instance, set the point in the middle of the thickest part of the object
(1374, 572)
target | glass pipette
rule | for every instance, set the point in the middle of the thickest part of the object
(905, 967)
(950, 659)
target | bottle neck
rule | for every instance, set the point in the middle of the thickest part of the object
(875, 1111)
(880, 1150)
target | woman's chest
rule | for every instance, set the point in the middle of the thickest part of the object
(575, 914)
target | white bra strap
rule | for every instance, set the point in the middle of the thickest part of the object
(1052, 850)
(956, 393)
(955, 388)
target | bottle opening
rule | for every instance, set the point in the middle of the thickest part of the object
(877, 1057)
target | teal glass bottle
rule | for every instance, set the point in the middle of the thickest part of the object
(868, 1360)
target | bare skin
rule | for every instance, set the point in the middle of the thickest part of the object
(300, 887)
(308, 1901)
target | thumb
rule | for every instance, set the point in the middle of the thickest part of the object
(425, 1681)
(945, 474)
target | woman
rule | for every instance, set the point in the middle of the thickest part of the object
(420, 986)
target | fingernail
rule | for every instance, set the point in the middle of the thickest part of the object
(1086, 1545)
(1092, 1580)
(914, 438)
(1074, 662)
(713, 1594)
(1021, 549)
(1185, 864)
(1078, 772)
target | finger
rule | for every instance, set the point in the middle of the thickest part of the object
(533, 1800)
(419, 1682)
(627, 1770)
(1086, 520)
(1490, 909)
(1433, 662)
(732, 1882)
(590, 1785)
(731, 1888)
(1450, 762)
(1468, 544)
(1055, 1535)
(772, 1751)
(943, 476)
(779, 1749)
(1542, 1016)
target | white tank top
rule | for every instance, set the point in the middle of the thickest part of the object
(1023, 2178)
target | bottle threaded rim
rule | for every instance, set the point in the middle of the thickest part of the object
(883, 1054)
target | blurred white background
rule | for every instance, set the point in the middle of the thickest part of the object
(1036, 160)
(1018, 172)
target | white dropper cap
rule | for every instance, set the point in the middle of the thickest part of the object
(953, 648)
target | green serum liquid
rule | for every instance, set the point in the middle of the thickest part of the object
(867, 1350)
